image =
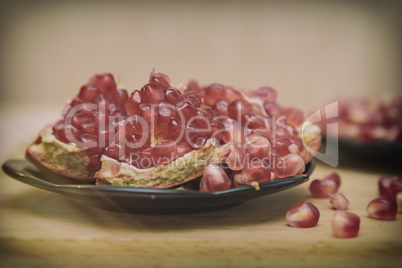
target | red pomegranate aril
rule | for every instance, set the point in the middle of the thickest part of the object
(104, 103)
(221, 107)
(152, 93)
(252, 174)
(233, 132)
(88, 128)
(182, 148)
(207, 111)
(390, 186)
(164, 152)
(232, 95)
(192, 85)
(235, 159)
(281, 145)
(105, 83)
(94, 162)
(383, 208)
(294, 117)
(256, 146)
(322, 188)
(193, 97)
(338, 201)
(133, 103)
(214, 179)
(80, 118)
(289, 165)
(173, 96)
(238, 109)
(345, 224)
(186, 108)
(213, 93)
(120, 97)
(267, 94)
(303, 215)
(149, 113)
(159, 78)
(88, 93)
(255, 122)
(200, 142)
(135, 124)
(335, 178)
(273, 109)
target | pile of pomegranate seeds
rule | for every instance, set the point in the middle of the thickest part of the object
(323, 188)
(90, 119)
(383, 208)
(303, 215)
(264, 144)
(370, 119)
(345, 224)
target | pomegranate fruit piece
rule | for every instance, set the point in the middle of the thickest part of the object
(390, 186)
(303, 215)
(383, 208)
(214, 179)
(345, 224)
(338, 201)
(152, 93)
(323, 188)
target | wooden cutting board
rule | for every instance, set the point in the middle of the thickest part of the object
(44, 229)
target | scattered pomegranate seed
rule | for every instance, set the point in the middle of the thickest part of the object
(303, 215)
(214, 179)
(383, 208)
(390, 186)
(339, 201)
(345, 224)
(328, 185)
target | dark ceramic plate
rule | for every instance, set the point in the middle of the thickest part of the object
(381, 156)
(144, 200)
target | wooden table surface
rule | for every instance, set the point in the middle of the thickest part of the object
(44, 229)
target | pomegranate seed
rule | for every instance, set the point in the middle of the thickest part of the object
(193, 97)
(186, 109)
(173, 96)
(256, 146)
(303, 215)
(213, 93)
(328, 185)
(235, 159)
(345, 224)
(120, 97)
(267, 94)
(221, 107)
(339, 201)
(238, 109)
(105, 83)
(383, 208)
(294, 117)
(214, 179)
(152, 93)
(88, 93)
(159, 78)
(273, 109)
(289, 165)
(133, 103)
(252, 174)
(232, 95)
(390, 186)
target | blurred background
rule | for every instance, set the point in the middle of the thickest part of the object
(310, 51)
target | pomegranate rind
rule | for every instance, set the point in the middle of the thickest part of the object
(184, 169)
(59, 157)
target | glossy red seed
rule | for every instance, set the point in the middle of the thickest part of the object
(186, 109)
(266, 93)
(238, 108)
(164, 152)
(152, 93)
(213, 93)
(256, 146)
(173, 96)
(390, 186)
(105, 83)
(159, 78)
(235, 159)
(88, 93)
(253, 174)
(231, 95)
(182, 148)
(120, 97)
(214, 179)
(322, 188)
(94, 163)
(383, 208)
(289, 165)
(334, 177)
(193, 97)
(133, 103)
(345, 224)
(192, 85)
(294, 117)
(338, 201)
(303, 215)
(221, 107)
(89, 127)
(273, 109)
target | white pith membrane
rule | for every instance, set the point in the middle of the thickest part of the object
(70, 160)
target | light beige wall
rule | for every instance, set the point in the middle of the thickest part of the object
(310, 51)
